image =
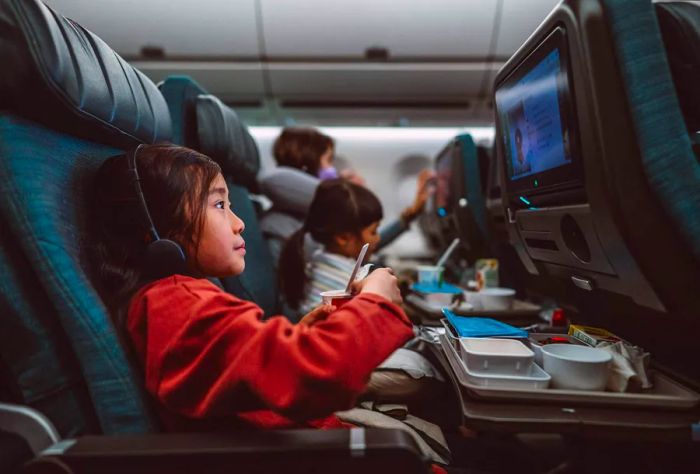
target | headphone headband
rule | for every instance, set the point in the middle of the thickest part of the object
(136, 180)
(163, 257)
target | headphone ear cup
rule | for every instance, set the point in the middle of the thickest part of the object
(164, 258)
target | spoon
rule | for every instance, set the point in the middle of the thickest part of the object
(358, 263)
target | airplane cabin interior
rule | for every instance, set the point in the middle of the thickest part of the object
(549, 274)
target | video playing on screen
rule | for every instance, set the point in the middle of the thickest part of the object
(535, 139)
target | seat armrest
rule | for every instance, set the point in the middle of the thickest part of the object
(340, 451)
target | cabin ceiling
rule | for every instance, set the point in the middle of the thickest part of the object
(324, 62)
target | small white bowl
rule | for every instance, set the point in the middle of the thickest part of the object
(576, 367)
(495, 299)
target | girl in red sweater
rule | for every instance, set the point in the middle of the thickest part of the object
(208, 358)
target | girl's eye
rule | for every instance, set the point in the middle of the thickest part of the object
(220, 205)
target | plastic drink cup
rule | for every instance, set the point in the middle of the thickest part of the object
(335, 298)
(430, 275)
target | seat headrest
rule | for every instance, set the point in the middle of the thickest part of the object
(680, 28)
(289, 189)
(223, 137)
(63, 76)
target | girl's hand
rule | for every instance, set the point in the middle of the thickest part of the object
(319, 313)
(381, 282)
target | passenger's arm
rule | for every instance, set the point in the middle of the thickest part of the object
(390, 232)
(226, 360)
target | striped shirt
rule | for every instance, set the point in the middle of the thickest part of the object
(325, 271)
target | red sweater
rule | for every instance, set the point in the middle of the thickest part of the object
(209, 358)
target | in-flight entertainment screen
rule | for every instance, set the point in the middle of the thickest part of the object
(535, 120)
(443, 181)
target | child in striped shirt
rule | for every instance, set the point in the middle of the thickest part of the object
(343, 216)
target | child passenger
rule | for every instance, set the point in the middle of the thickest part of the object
(342, 217)
(208, 358)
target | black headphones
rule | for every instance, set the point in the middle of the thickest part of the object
(163, 257)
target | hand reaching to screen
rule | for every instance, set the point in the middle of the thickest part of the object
(423, 191)
(380, 282)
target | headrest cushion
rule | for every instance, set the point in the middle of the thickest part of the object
(680, 28)
(63, 76)
(227, 141)
(289, 189)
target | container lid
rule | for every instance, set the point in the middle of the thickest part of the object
(486, 346)
(444, 288)
(481, 327)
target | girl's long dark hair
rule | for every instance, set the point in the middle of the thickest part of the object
(175, 182)
(338, 206)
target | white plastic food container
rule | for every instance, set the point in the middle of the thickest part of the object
(496, 356)
(535, 378)
(576, 367)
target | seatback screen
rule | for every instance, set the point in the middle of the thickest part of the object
(535, 114)
(533, 121)
(443, 182)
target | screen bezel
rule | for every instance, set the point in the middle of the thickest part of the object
(565, 176)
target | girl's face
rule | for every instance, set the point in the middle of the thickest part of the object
(350, 244)
(220, 247)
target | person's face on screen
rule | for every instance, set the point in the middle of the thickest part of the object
(519, 144)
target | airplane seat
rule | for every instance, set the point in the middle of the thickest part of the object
(67, 103)
(290, 191)
(617, 213)
(202, 122)
(470, 206)
(680, 30)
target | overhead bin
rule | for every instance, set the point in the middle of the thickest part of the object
(220, 29)
(277, 55)
(410, 29)
(383, 83)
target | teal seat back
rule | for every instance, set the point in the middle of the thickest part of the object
(67, 102)
(469, 201)
(207, 125)
(664, 145)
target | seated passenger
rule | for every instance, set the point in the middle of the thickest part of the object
(208, 358)
(343, 216)
(312, 152)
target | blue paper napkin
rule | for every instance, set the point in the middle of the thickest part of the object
(444, 288)
(481, 327)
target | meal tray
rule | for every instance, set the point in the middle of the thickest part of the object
(666, 393)
(520, 309)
